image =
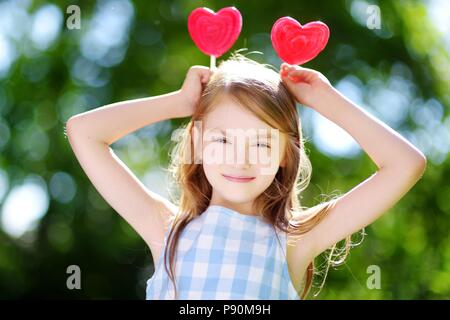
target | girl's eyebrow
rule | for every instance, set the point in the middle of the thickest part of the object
(267, 133)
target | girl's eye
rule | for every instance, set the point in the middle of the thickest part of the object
(224, 140)
(221, 139)
(264, 145)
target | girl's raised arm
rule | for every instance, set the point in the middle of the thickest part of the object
(90, 134)
(400, 164)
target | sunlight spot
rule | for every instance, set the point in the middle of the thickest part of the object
(46, 26)
(24, 206)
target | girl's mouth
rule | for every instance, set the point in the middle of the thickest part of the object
(238, 179)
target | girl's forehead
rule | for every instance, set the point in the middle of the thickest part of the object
(228, 106)
(227, 126)
(228, 115)
(250, 132)
(230, 118)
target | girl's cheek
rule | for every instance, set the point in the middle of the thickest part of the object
(267, 165)
(217, 153)
(259, 156)
(212, 154)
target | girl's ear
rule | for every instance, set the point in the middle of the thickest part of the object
(283, 163)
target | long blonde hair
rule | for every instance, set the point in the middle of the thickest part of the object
(259, 88)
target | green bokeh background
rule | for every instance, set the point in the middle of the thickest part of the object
(147, 53)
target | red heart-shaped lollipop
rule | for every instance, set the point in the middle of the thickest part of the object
(297, 44)
(214, 33)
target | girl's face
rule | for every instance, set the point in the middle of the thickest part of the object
(235, 143)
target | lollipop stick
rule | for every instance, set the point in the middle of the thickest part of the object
(212, 62)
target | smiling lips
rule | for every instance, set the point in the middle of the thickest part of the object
(238, 178)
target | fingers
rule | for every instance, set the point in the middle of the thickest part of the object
(202, 72)
(294, 79)
(290, 73)
(298, 74)
(206, 75)
(292, 69)
(286, 69)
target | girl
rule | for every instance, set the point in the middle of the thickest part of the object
(238, 230)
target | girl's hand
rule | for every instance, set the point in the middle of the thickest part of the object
(306, 85)
(191, 90)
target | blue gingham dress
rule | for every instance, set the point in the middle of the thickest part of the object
(225, 255)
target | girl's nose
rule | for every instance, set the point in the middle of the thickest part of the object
(242, 155)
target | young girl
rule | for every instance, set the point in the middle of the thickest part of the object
(238, 230)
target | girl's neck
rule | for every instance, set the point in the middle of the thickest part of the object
(243, 208)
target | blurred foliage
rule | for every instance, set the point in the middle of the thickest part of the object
(127, 50)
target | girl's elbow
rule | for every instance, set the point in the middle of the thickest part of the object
(71, 123)
(420, 164)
